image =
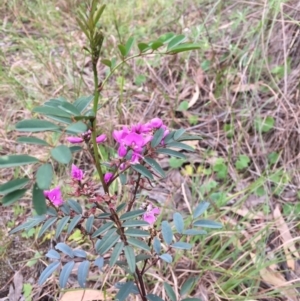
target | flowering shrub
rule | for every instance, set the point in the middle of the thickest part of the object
(120, 231)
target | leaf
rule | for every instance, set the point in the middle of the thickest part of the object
(30, 223)
(75, 148)
(52, 254)
(194, 232)
(82, 273)
(170, 292)
(135, 223)
(89, 224)
(51, 211)
(142, 170)
(166, 257)
(129, 45)
(183, 106)
(105, 227)
(116, 253)
(99, 262)
(137, 233)
(16, 160)
(182, 245)
(46, 110)
(38, 200)
(178, 222)
(60, 225)
(176, 163)
(170, 152)
(186, 137)
(156, 245)
(152, 297)
(130, 257)
(49, 270)
(138, 243)
(12, 197)
(65, 208)
(264, 125)
(46, 226)
(176, 41)
(125, 291)
(65, 249)
(76, 128)
(65, 273)
(208, 224)
(155, 166)
(184, 47)
(158, 136)
(32, 140)
(61, 154)
(84, 295)
(242, 162)
(178, 134)
(191, 299)
(107, 244)
(188, 285)
(166, 37)
(131, 214)
(156, 44)
(75, 206)
(143, 47)
(181, 146)
(200, 209)
(122, 50)
(106, 62)
(99, 13)
(73, 223)
(79, 253)
(44, 176)
(83, 102)
(36, 125)
(167, 233)
(69, 108)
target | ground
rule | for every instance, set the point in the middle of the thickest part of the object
(239, 92)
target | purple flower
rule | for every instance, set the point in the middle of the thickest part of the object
(120, 135)
(156, 123)
(150, 215)
(76, 173)
(141, 128)
(108, 177)
(74, 140)
(101, 138)
(54, 196)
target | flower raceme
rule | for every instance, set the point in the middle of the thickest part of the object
(54, 196)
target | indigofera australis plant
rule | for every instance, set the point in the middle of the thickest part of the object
(119, 230)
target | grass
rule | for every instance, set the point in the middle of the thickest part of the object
(244, 84)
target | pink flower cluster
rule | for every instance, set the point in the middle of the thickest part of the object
(136, 138)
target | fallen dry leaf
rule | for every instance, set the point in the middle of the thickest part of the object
(195, 97)
(85, 295)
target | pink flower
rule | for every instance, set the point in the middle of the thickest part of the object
(76, 173)
(101, 138)
(74, 140)
(54, 196)
(108, 177)
(156, 123)
(150, 215)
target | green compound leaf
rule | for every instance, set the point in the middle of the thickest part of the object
(16, 160)
(188, 285)
(124, 291)
(182, 245)
(82, 273)
(65, 273)
(158, 136)
(61, 154)
(105, 227)
(178, 222)
(38, 200)
(167, 233)
(76, 219)
(130, 257)
(12, 197)
(36, 125)
(83, 102)
(116, 253)
(200, 209)
(13, 185)
(142, 170)
(166, 257)
(156, 245)
(32, 140)
(61, 225)
(46, 226)
(65, 249)
(152, 297)
(50, 269)
(170, 152)
(44, 176)
(208, 224)
(138, 243)
(137, 233)
(170, 292)
(156, 167)
(132, 214)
